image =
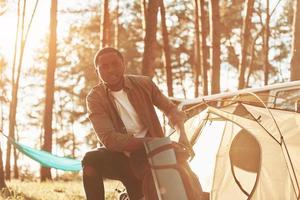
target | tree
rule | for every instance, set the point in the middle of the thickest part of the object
(245, 37)
(201, 55)
(2, 100)
(15, 83)
(47, 145)
(167, 53)
(216, 49)
(4, 82)
(181, 40)
(144, 14)
(295, 62)
(150, 39)
(266, 44)
(197, 50)
(204, 50)
(116, 30)
(2, 180)
(105, 36)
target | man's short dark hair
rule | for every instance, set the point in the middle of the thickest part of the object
(104, 51)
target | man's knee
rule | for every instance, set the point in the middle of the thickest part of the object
(90, 163)
(91, 158)
(89, 171)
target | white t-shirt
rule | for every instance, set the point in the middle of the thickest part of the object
(128, 114)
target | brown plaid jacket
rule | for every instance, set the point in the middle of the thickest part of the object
(143, 95)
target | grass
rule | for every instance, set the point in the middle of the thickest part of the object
(55, 190)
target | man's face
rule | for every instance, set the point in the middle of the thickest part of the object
(110, 68)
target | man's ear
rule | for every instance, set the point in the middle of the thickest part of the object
(98, 74)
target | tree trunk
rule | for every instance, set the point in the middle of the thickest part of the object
(116, 33)
(244, 42)
(105, 25)
(181, 81)
(73, 145)
(167, 53)
(15, 87)
(16, 169)
(216, 52)
(295, 62)
(100, 24)
(197, 51)
(144, 14)
(252, 50)
(47, 145)
(266, 44)
(204, 49)
(150, 39)
(2, 180)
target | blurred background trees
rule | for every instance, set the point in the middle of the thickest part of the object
(189, 48)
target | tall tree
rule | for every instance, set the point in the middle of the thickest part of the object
(2, 99)
(105, 36)
(266, 44)
(2, 179)
(16, 157)
(197, 50)
(150, 39)
(116, 31)
(47, 144)
(15, 86)
(295, 62)
(245, 37)
(144, 14)
(16, 78)
(167, 53)
(204, 53)
(215, 32)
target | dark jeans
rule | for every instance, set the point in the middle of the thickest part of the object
(102, 163)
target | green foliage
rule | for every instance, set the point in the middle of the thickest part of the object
(282, 28)
(180, 24)
(231, 14)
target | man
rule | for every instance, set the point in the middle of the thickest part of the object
(121, 109)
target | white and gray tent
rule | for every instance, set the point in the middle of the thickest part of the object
(247, 143)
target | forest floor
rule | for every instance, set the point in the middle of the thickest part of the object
(54, 190)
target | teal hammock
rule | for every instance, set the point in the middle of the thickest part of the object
(47, 159)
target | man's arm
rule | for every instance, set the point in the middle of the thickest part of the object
(176, 117)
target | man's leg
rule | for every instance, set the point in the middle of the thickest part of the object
(92, 183)
(102, 163)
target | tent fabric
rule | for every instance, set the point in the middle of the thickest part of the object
(47, 159)
(277, 176)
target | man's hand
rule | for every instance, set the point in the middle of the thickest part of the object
(184, 141)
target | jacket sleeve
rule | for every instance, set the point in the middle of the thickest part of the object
(103, 126)
(166, 105)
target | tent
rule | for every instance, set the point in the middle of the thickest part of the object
(247, 143)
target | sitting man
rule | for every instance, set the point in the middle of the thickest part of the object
(121, 109)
